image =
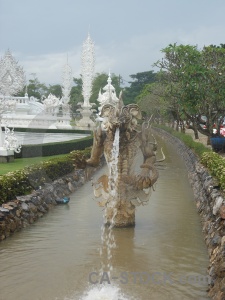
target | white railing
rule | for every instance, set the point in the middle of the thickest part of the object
(30, 121)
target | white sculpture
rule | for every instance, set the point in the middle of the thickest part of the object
(10, 141)
(9, 144)
(87, 69)
(87, 75)
(12, 76)
(109, 96)
(66, 83)
(66, 88)
(51, 104)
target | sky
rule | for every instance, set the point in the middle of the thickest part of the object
(128, 34)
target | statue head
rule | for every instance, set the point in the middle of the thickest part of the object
(125, 117)
(114, 114)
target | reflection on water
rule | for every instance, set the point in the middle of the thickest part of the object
(163, 257)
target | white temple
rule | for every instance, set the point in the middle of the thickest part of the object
(23, 112)
(50, 112)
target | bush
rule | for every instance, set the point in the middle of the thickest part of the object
(216, 166)
(22, 182)
(79, 158)
(14, 184)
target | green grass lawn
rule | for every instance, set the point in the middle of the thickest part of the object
(20, 163)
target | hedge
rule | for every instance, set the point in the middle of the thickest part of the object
(51, 149)
(23, 181)
(43, 130)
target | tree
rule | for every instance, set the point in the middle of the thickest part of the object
(56, 90)
(152, 103)
(34, 88)
(76, 94)
(194, 78)
(139, 81)
(37, 89)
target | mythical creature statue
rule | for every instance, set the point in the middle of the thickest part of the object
(122, 190)
(10, 141)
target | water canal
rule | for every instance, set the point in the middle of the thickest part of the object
(164, 257)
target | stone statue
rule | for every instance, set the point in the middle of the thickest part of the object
(120, 141)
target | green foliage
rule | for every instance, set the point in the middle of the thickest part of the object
(198, 148)
(76, 94)
(152, 102)
(56, 90)
(21, 163)
(79, 158)
(37, 89)
(14, 184)
(216, 166)
(194, 83)
(48, 171)
(131, 93)
(211, 160)
(24, 181)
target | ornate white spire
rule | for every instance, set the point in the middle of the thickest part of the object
(87, 69)
(12, 76)
(109, 96)
(66, 82)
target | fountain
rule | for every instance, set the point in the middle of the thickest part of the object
(120, 140)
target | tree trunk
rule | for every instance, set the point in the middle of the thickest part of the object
(196, 133)
(182, 127)
(195, 130)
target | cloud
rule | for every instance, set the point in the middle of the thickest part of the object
(48, 67)
(203, 36)
(134, 54)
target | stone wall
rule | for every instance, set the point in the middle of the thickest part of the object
(25, 210)
(210, 204)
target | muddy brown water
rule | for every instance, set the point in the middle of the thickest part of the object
(164, 257)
